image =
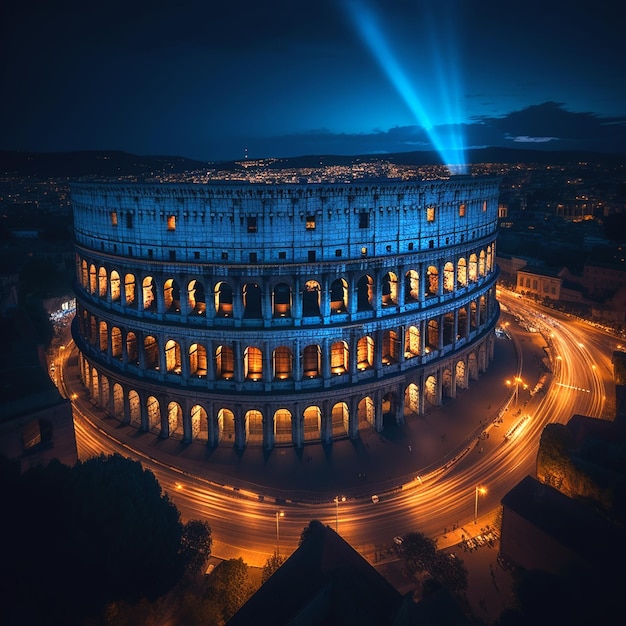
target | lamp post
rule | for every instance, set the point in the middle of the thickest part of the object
(482, 491)
(279, 514)
(336, 499)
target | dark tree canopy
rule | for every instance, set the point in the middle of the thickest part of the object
(78, 538)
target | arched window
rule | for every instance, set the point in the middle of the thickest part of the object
(224, 362)
(311, 361)
(196, 297)
(411, 342)
(389, 289)
(171, 296)
(223, 300)
(172, 357)
(282, 300)
(411, 286)
(151, 352)
(448, 277)
(390, 347)
(461, 273)
(129, 289)
(364, 293)
(283, 363)
(197, 360)
(432, 285)
(116, 292)
(311, 299)
(253, 363)
(365, 353)
(102, 282)
(339, 296)
(252, 301)
(339, 358)
(149, 294)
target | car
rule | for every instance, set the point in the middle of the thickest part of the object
(398, 541)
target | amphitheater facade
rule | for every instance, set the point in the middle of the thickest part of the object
(247, 314)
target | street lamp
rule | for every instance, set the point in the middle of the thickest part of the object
(279, 514)
(336, 499)
(482, 491)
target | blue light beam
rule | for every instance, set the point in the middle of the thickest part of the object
(450, 147)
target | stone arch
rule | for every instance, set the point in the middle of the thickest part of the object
(389, 408)
(149, 294)
(224, 362)
(481, 263)
(134, 408)
(171, 296)
(173, 363)
(102, 282)
(84, 275)
(446, 383)
(472, 366)
(226, 425)
(311, 361)
(153, 411)
(118, 401)
(197, 360)
(473, 268)
(411, 286)
(461, 328)
(448, 277)
(449, 330)
(196, 297)
(366, 414)
(93, 279)
(339, 296)
(252, 363)
(312, 423)
(252, 299)
(198, 417)
(390, 347)
(311, 299)
(174, 419)
(432, 336)
(389, 290)
(254, 427)
(116, 292)
(132, 352)
(223, 299)
(130, 289)
(340, 416)
(461, 377)
(339, 358)
(282, 300)
(364, 291)
(432, 281)
(461, 272)
(151, 353)
(430, 391)
(365, 353)
(283, 363)
(95, 385)
(116, 343)
(411, 342)
(282, 427)
(103, 336)
(412, 399)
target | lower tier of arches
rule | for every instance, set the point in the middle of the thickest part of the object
(290, 420)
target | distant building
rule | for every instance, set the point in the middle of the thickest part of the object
(540, 283)
(36, 423)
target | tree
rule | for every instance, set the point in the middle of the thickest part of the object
(419, 552)
(271, 565)
(306, 531)
(196, 545)
(230, 586)
(450, 571)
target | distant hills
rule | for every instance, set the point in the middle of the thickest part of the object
(117, 163)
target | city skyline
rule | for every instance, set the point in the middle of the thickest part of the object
(221, 82)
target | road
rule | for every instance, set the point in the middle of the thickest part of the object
(580, 380)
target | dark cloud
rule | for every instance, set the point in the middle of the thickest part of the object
(547, 125)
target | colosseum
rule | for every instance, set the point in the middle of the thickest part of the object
(245, 314)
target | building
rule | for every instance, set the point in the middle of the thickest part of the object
(259, 314)
(326, 581)
(539, 283)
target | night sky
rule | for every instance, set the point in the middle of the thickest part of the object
(216, 80)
